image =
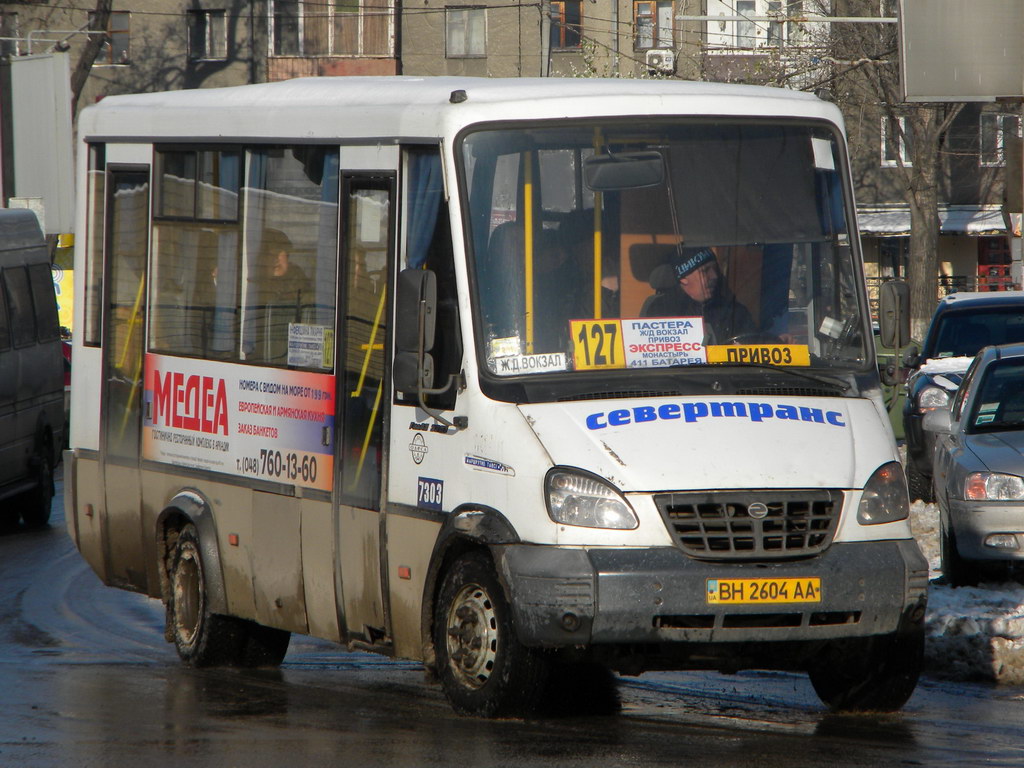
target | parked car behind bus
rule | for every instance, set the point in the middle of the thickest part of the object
(978, 467)
(962, 324)
(32, 419)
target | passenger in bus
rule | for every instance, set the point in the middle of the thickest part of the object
(284, 291)
(693, 287)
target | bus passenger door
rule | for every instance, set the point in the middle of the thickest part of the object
(127, 229)
(367, 235)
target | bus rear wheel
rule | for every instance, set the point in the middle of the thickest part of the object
(484, 669)
(206, 639)
(202, 638)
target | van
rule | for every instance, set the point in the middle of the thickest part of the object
(32, 421)
(497, 431)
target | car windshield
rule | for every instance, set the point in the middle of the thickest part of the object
(660, 243)
(962, 334)
(1000, 402)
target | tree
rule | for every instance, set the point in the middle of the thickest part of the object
(865, 80)
(856, 64)
(90, 51)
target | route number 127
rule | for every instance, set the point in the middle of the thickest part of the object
(597, 344)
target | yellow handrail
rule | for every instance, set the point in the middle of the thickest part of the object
(528, 247)
(370, 347)
(132, 322)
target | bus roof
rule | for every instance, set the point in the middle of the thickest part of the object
(403, 108)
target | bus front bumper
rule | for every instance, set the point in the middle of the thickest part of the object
(578, 597)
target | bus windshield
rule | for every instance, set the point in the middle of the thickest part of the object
(660, 243)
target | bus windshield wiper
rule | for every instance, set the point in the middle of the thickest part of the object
(827, 380)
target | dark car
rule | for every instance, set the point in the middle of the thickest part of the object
(962, 324)
(978, 467)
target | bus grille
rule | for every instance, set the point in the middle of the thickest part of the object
(764, 525)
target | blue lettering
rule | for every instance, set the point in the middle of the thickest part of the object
(812, 414)
(786, 412)
(618, 418)
(644, 413)
(668, 411)
(728, 409)
(694, 411)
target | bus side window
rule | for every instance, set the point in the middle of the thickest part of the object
(289, 267)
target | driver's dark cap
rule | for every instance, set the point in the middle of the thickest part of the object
(693, 262)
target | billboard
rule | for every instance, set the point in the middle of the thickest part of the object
(41, 141)
(953, 50)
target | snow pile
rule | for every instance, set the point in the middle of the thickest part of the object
(974, 633)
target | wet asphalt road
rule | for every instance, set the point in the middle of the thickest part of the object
(86, 679)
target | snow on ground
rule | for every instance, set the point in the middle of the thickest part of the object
(974, 633)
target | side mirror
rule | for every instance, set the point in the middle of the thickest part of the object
(415, 328)
(410, 375)
(417, 289)
(912, 359)
(894, 314)
(939, 421)
(415, 310)
(888, 372)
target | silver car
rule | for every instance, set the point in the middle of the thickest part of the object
(978, 469)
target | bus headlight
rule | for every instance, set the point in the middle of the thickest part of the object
(885, 498)
(577, 498)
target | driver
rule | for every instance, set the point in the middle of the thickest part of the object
(699, 291)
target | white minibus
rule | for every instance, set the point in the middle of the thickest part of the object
(511, 377)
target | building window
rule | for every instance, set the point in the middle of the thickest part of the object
(207, 35)
(332, 28)
(753, 24)
(566, 23)
(746, 30)
(653, 23)
(794, 29)
(116, 48)
(895, 142)
(465, 32)
(994, 128)
(9, 33)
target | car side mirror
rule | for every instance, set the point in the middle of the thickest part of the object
(939, 421)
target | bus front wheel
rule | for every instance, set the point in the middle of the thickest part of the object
(869, 674)
(484, 669)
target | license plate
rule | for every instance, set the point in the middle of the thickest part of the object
(756, 591)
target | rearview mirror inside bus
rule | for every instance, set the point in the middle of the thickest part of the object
(625, 170)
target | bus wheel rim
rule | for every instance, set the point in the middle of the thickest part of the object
(472, 636)
(187, 597)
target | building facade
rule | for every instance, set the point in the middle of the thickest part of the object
(153, 45)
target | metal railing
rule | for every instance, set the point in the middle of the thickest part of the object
(997, 279)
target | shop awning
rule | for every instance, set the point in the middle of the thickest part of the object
(953, 220)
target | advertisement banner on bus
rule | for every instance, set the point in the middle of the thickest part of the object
(260, 423)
